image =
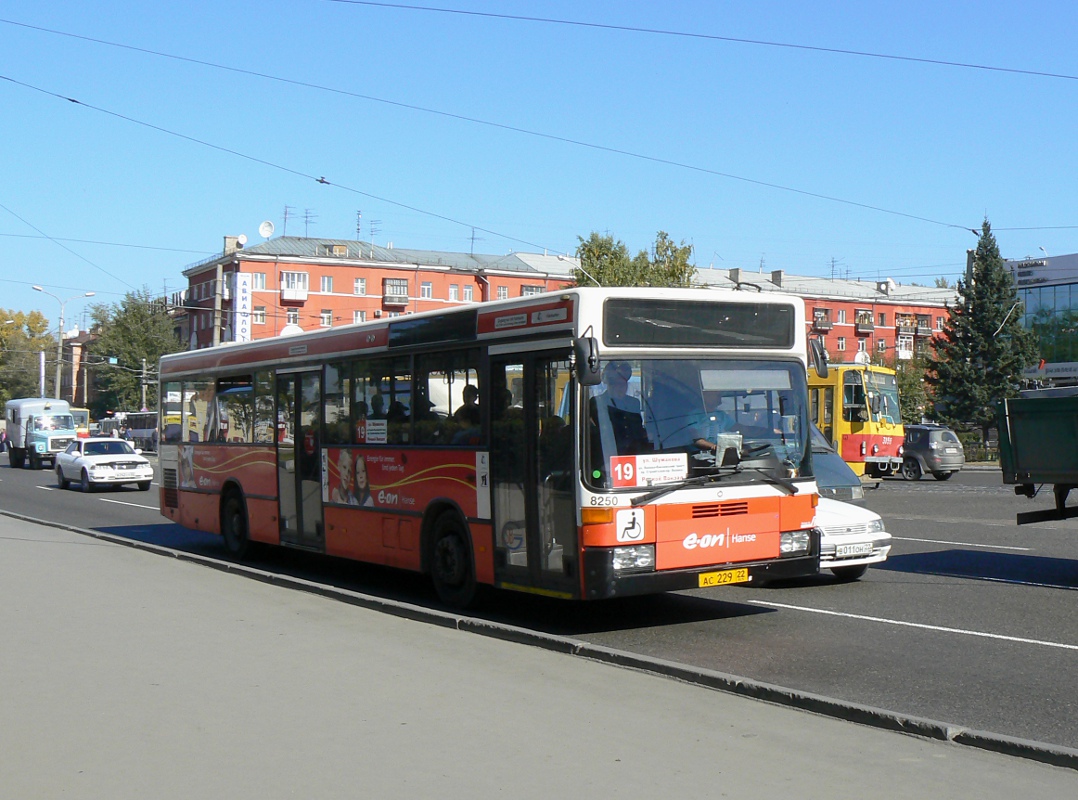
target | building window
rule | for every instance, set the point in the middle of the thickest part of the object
(326, 317)
(426, 290)
(258, 280)
(527, 291)
(840, 345)
(359, 316)
(468, 294)
(861, 345)
(939, 323)
(258, 316)
(291, 316)
(883, 319)
(453, 290)
(503, 292)
(394, 313)
(327, 284)
(841, 317)
(881, 345)
(359, 286)
(294, 280)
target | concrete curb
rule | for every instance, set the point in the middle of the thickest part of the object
(1055, 755)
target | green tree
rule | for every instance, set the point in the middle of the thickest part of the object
(606, 262)
(23, 338)
(983, 349)
(129, 332)
(912, 396)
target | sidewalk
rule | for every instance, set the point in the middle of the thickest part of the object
(125, 674)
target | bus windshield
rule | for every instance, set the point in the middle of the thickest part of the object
(655, 421)
(885, 386)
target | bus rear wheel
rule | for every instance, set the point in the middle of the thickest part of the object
(234, 526)
(450, 561)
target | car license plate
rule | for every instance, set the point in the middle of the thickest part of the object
(847, 550)
(949, 450)
(724, 577)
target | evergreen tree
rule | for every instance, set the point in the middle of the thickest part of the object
(606, 262)
(983, 349)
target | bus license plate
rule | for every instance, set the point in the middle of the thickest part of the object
(724, 577)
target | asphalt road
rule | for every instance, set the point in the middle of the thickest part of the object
(971, 621)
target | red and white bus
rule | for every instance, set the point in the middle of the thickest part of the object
(583, 444)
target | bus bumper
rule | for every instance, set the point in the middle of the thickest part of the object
(601, 582)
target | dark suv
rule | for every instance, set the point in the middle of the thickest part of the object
(931, 448)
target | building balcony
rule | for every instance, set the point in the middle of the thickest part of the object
(923, 330)
(296, 296)
(864, 327)
(821, 324)
(395, 300)
(904, 330)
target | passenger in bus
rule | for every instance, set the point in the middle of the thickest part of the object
(468, 412)
(615, 414)
(713, 424)
(378, 404)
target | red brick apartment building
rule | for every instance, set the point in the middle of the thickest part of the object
(291, 283)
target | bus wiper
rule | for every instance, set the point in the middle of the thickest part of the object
(699, 480)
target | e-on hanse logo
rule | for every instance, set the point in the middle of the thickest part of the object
(694, 540)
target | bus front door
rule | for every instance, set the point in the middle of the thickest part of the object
(299, 459)
(535, 538)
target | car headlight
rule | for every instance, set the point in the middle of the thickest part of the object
(793, 543)
(640, 556)
(857, 492)
(876, 526)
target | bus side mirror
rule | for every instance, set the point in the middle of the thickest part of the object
(874, 403)
(586, 355)
(819, 357)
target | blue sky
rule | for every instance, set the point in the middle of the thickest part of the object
(730, 146)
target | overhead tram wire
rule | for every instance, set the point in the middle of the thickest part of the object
(317, 179)
(474, 120)
(708, 37)
(60, 244)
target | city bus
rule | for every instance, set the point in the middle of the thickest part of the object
(440, 442)
(856, 407)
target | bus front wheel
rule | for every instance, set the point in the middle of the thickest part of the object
(234, 526)
(450, 560)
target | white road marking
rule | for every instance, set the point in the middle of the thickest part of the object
(122, 503)
(921, 625)
(961, 544)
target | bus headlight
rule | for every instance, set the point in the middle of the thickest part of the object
(794, 543)
(640, 556)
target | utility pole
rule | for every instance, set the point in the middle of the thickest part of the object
(143, 406)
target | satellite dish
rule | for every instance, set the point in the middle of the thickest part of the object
(862, 358)
(265, 230)
(241, 240)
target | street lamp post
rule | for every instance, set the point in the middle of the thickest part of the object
(60, 332)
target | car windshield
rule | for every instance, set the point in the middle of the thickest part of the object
(661, 421)
(115, 448)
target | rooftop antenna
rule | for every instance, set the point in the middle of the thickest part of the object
(309, 218)
(287, 213)
(359, 225)
(474, 240)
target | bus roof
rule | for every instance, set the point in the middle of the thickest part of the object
(555, 314)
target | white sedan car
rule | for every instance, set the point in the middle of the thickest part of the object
(102, 461)
(852, 538)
